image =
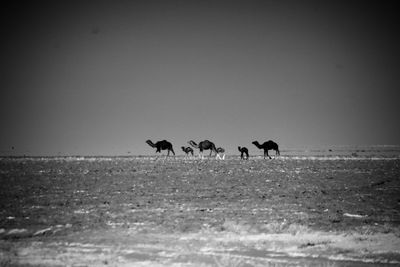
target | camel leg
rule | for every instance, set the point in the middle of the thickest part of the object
(201, 154)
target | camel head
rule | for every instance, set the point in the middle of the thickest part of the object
(150, 143)
(193, 144)
(256, 143)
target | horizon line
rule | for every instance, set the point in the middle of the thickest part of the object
(322, 148)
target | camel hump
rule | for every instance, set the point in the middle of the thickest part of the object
(208, 142)
(274, 145)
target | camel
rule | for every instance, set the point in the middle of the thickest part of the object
(243, 150)
(187, 150)
(220, 150)
(269, 145)
(204, 145)
(161, 145)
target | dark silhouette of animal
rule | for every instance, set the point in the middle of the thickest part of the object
(204, 145)
(220, 150)
(243, 151)
(187, 150)
(161, 145)
(269, 145)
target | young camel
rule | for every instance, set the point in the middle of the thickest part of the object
(243, 150)
(269, 145)
(219, 151)
(187, 150)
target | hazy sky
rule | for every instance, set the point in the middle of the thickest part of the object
(101, 77)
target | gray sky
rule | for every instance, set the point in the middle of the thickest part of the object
(101, 77)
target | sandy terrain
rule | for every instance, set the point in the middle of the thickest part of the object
(147, 211)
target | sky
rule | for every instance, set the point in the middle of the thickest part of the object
(102, 77)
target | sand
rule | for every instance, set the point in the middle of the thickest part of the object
(293, 210)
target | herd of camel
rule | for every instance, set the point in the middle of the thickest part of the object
(208, 145)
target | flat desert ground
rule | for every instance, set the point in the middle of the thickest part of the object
(323, 209)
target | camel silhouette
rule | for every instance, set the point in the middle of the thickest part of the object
(269, 145)
(161, 145)
(187, 150)
(243, 150)
(204, 145)
(219, 151)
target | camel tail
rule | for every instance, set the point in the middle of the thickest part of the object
(193, 144)
(150, 143)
